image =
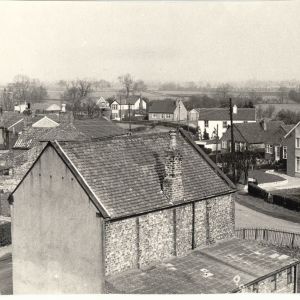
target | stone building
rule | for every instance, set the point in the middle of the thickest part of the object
(126, 215)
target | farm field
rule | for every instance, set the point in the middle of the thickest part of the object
(295, 107)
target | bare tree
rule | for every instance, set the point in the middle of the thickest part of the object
(139, 86)
(127, 82)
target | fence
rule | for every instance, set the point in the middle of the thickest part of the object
(271, 236)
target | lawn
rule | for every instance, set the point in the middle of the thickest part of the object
(263, 177)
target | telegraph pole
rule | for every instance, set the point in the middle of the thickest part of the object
(129, 118)
(217, 142)
(232, 140)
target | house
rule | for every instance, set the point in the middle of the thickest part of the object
(167, 110)
(292, 150)
(46, 107)
(265, 136)
(93, 216)
(212, 119)
(122, 107)
(20, 107)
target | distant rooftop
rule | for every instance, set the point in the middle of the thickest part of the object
(162, 106)
(222, 114)
(208, 270)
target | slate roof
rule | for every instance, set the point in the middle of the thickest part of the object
(125, 101)
(208, 270)
(78, 131)
(164, 106)
(98, 128)
(126, 173)
(222, 114)
(253, 133)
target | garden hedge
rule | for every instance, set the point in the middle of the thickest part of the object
(256, 191)
(289, 202)
(5, 233)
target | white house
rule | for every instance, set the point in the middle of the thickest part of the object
(120, 107)
(212, 119)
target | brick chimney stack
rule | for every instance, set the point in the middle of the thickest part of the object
(172, 183)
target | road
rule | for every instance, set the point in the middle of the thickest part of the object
(247, 217)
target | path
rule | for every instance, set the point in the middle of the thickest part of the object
(247, 217)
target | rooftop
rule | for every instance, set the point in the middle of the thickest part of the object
(222, 114)
(254, 133)
(126, 173)
(98, 128)
(163, 106)
(208, 270)
(78, 131)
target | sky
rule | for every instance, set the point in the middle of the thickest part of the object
(152, 40)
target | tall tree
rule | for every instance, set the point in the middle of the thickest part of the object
(127, 83)
(139, 86)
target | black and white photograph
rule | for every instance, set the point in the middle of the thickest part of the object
(149, 147)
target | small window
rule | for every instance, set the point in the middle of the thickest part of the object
(273, 283)
(206, 124)
(289, 276)
(162, 116)
(224, 144)
(269, 149)
(168, 116)
(297, 142)
(114, 107)
(284, 152)
(154, 116)
(224, 124)
(255, 288)
(237, 147)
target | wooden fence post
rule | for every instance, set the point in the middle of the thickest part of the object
(293, 240)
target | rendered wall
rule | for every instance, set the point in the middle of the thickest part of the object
(56, 234)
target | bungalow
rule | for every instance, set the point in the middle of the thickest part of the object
(167, 110)
(211, 119)
(74, 232)
(265, 137)
(120, 108)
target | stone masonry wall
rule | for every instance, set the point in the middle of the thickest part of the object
(140, 241)
(220, 216)
(121, 245)
(156, 237)
(200, 234)
(267, 286)
(184, 219)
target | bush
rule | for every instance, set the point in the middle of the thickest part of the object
(5, 234)
(256, 191)
(289, 202)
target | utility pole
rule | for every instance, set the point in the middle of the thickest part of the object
(217, 143)
(232, 140)
(129, 118)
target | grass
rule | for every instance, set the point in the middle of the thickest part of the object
(263, 177)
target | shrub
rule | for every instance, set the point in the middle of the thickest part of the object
(5, 233)
(289, 202)
(256, 191)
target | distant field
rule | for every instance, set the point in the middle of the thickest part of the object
(289, 106)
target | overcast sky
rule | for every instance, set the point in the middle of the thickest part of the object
(179, 41)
